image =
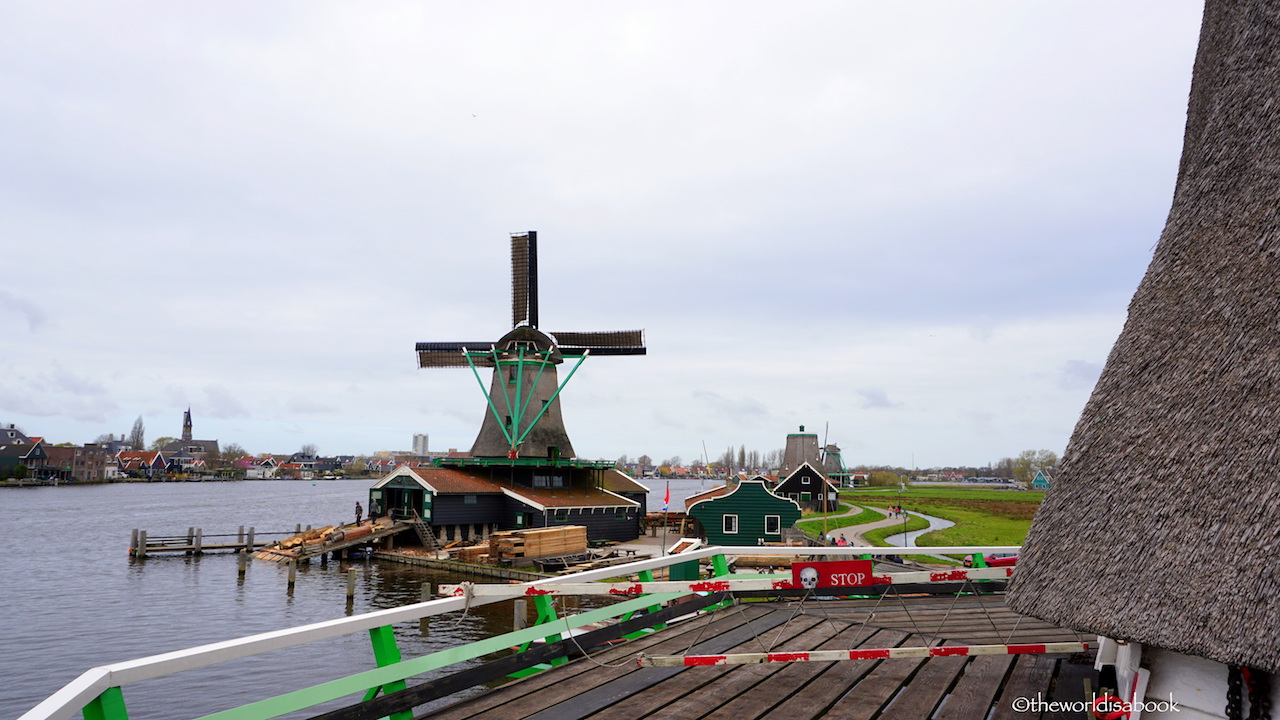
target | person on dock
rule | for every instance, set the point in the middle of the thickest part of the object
(375, 511)
(359, 512)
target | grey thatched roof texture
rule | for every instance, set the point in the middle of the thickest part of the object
(1163, 525)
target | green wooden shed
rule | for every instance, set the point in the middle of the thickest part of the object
(749, 514)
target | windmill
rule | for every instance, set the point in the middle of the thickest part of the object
(523, 416)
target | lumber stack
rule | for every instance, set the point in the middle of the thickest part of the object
(472, 554)
(543, 542)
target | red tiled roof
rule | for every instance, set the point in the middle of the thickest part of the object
(716, 491)
(569, 497)
(618, 481)
(449, 480)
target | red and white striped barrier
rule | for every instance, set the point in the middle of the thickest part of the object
(726, 584)
(876, 654)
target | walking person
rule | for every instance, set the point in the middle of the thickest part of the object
(359, 512)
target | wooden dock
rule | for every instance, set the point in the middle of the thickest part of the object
(195, 542)
(336, 541)
(610, 685)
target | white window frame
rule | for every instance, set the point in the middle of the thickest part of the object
(776, 521)
(724, 524)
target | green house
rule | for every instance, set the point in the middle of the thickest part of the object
(749, 514)
(1040, 482)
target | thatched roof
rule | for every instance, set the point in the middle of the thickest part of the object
(1163, 525)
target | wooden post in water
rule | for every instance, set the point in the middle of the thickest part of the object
(199, 541)
(191, 536)
(133, 542)
(293, 573)
(297, 528)
(240, 536)
(242, 563)
(522, 614)
(250, 542)
(351, 584)
(142, 543)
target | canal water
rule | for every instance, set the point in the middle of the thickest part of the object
(73, 598)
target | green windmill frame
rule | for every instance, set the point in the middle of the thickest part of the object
(515, 437)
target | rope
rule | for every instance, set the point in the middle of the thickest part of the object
(466, 607)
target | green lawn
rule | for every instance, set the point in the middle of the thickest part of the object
(982, 516)
(813, 528)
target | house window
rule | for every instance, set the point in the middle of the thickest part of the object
(731, 524)
(772, 524)
(804, 497)
(804, 481)
(468, 499)
(562, 516)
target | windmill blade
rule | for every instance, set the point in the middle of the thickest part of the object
(619, 342)
(439, 355)
(524, 279)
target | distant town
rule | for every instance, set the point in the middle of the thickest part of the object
(29, 459)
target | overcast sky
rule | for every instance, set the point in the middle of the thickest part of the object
(916, 224)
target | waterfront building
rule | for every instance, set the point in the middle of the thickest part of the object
(748, 514)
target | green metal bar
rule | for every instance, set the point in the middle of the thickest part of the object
(506, 399)
(107, 706)
(719, 565)
(487, 399)
(358, 683)
(518, 414)
(386, 652)
(720, 568)
(546, 608)
(533, 388)
(554, 396)
(645, 576)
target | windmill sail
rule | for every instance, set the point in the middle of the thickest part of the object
(523, 416)
(524, 279)
(620, 342)
(450, 354)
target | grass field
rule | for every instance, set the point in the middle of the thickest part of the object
(813, 528)
(981, 516)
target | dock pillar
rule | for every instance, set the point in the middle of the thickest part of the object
(142, 543)
(133, 542)
(242, 563)
(240, 536)
(293, 573)
(249, 543)
(199, 541)
(191, 536)
(351, 584)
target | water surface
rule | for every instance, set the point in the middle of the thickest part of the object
(73, 598)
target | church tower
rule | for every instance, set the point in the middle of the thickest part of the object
(186, 425)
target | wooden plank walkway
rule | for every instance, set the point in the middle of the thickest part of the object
(609, 685)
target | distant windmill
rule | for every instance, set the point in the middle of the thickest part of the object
(523, 418)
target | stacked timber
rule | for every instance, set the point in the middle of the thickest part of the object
(315, 541)
(519, 545)
(472, 554)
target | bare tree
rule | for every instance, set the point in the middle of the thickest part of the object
(310, 450)
(138, 435)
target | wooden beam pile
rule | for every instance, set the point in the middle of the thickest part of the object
(544, 542)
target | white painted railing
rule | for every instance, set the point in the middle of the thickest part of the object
(69, 700)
